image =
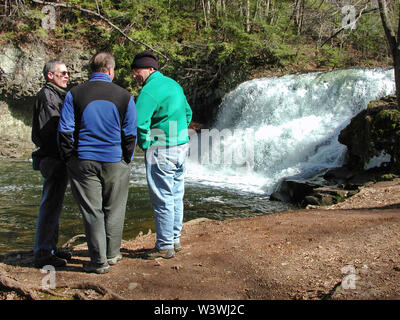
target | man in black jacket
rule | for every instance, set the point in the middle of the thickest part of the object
(46, 114)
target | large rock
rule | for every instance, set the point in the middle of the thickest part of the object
(15, 136)
(373, 133)
(316, 191)
(20, 79)
(21, 67)
(373, 154)
(329, 187)
(295, 190)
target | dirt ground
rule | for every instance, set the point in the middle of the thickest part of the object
(343, 252)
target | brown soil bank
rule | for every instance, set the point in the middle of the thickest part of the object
(347, 251)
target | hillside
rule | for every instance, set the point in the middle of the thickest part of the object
(209, 46)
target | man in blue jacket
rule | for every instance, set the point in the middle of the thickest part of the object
(97, 139)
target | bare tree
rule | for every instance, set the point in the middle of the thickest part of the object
(248, 16)
(299, 15)
(393, 40)
(206, 11)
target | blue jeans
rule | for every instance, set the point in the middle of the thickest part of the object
(165, 172)
(55, 181)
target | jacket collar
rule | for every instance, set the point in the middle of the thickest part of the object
(154, 75)
(57, 88)
(99, 76)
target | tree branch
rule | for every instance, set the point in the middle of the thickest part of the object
(98, 15)
(362, 12)
(387, 25)
(394, 43)
(398, 29)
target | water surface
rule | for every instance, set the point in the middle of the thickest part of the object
(20, 191)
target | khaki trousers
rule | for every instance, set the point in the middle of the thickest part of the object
(101, 192)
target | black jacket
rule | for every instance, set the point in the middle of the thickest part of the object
(46, 114)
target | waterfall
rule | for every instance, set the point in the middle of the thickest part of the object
(283, 126)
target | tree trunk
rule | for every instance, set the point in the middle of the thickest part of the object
(272, 12)
(256, 10)
(206, 21)
(267, 8)
(248, 17)
(396, 65)
(208, 11)
(299, 15)
(393, 41)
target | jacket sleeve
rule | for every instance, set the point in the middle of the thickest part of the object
(188, 113)
(66, 129)
(35, 122)
(146, 106)
(45, 118)
(129, 132)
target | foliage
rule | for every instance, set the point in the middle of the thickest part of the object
(212, 45)
(331, 57)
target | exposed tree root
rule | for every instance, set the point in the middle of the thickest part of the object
(104, 292)
(69, 243)
(23, 258)
(8, 284)
(13, 285)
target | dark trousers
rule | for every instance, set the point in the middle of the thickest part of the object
(55, 181)
(101, 192)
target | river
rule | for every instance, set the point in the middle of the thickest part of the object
(266, 129)
(20, 191)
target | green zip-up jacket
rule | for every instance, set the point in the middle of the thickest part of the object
(163, 113)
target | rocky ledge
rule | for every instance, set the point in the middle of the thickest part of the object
(372, 139)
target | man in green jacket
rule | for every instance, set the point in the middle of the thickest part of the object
(163, 118)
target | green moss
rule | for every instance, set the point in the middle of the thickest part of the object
(373, 131)
(339, 198)
(388, 177)
(7, 36)
(385, 131)
(48, 296)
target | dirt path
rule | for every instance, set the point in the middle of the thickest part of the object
(347, 251)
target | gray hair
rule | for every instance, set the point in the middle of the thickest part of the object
(51, 66)
(101, 62)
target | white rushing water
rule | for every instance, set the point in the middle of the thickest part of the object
(277, 127)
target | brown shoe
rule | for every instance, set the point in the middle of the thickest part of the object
(157, 253)
(177, 247)
(91, 267)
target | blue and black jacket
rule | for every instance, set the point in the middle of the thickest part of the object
(98, 122)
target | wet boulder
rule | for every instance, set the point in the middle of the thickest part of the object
(373, 134)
